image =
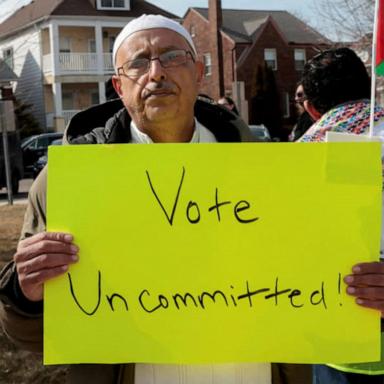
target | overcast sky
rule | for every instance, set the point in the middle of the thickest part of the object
(301, 8)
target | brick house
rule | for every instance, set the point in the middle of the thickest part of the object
(251, 39)
(61, 52)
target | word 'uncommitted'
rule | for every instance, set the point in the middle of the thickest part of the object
(231, 298)
(193, 212)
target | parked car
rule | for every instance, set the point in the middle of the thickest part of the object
(16, 161)
(42, 161)
(260, 132)
(35, 147)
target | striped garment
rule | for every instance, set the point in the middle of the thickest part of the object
(352, 117)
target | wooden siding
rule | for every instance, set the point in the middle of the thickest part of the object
(27, 66)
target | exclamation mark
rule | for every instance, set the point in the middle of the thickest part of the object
(339, 289)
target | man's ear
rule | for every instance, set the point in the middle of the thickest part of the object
(313, 112)
(116, 82)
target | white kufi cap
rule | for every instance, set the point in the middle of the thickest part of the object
(150, 22)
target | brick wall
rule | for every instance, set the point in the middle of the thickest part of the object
(286, 76)
(200, 26)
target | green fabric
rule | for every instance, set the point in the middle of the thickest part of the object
(380, 69)
(376, 368)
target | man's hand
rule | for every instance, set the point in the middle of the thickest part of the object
(367, 285)
(43, 257)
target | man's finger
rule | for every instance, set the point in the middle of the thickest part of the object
(374, 304)
(365, 280)
(368, 293)
(45, 261)
(375, 267)
(44, 247)
(40, 277)
(52, 236)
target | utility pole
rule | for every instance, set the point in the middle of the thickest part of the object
(215, 18)
(8, 175)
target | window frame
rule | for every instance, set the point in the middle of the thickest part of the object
(8, 58)
(267, 61)
(192, 30)
(300, 67)
(94, 93)
(111, 42)
(126, 7)
(68, 40)
(68, 94)
(207, 60)
(91, 43)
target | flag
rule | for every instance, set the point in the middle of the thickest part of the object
(380, 40)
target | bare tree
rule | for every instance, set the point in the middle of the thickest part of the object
(345, 19)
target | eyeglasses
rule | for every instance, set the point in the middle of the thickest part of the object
(138, 67)
(299, 95)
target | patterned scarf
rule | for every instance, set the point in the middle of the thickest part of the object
(352, 117)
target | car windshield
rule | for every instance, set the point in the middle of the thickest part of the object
(26, 140)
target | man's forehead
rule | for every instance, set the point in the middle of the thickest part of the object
(156, 39)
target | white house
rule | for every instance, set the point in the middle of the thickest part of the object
(61, 52)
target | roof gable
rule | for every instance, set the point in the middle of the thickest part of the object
(242, 25)
(6, 73)
(40, 9)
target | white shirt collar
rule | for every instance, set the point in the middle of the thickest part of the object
(200, 135)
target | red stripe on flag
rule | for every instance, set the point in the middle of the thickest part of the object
(380, 35)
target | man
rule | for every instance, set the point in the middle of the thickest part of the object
(157, 79)
(337, 89)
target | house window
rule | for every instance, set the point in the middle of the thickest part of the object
(192, 30)
(299, 59)
(111, 41)
(285, 102)
(92, 46)
(270, 58)
(207, 64)
(8, 57)
(65, 45)
(95, 100)
(68, 101)
(114, 4)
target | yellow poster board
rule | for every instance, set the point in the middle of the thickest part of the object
(213, 253)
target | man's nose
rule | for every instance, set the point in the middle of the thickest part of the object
(156, 70)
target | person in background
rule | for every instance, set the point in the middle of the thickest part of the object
(304, 120)
(228, 103)
(337, 88)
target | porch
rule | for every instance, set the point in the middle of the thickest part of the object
(68, 100)
(70, 49)
(78, 62)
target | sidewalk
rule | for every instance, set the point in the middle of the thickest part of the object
(21, 197)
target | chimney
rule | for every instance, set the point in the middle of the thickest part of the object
(215, 19)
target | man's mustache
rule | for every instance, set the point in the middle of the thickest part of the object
(157, 88)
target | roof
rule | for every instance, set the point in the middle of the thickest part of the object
(6, 73)
(39, 9)
(242, 25)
